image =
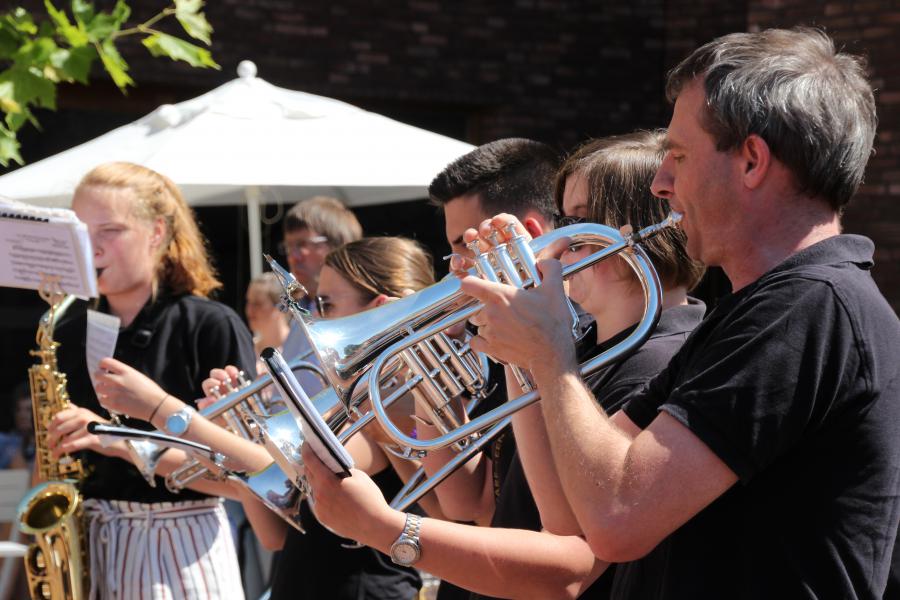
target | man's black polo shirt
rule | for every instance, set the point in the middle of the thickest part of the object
(793, 382)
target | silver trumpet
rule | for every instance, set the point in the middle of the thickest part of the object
(234, 408)
(270, 485)
(242, 410)
(412, 330)
(623, 243)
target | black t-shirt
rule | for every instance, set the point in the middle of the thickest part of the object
(175, 341)
(515, 507)
(793, 382)
(315, 565)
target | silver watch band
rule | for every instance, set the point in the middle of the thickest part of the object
(411, 527)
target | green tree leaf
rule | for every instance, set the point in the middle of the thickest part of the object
(15, 120)
(72, 34)
(196, 26)
(74, 64)
(30, 87)
(161, 44)
(9, 41)
(83, 11)
(103, 24)
(35, 52)
(8, 103)
(188, 6)
(192, 20)
(115, 65)
(9, 147)
(21, 20)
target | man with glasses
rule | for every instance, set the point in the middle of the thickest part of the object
(313, 228)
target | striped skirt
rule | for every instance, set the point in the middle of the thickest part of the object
(161, 551)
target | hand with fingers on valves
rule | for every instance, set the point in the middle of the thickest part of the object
(220, 383)
(529, 327)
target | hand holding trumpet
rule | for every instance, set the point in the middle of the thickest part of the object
(528, 328)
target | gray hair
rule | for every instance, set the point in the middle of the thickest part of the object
(813, 106)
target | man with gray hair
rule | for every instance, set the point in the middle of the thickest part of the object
(766, 455)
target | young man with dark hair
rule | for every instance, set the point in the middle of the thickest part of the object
(766, 454)
(512, 175)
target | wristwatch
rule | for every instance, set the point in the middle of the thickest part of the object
(406, 551)
(178, 422)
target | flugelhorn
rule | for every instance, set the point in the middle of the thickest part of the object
(446, 368)
(519, 254)
(372, 342)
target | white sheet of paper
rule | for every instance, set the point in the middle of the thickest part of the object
(39, 241)
(102, 333)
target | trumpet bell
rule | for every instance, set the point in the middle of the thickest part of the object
(277, 491)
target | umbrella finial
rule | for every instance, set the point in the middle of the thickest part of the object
(246, 69)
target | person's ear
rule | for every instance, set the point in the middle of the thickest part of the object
(534, 226)
(159, 233)
(379, 300)
(756, 160)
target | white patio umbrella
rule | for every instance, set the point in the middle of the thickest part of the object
(246, 137)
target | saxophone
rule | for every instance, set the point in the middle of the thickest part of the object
(52, 511)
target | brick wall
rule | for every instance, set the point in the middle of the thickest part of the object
(557, 71)
(872, 29)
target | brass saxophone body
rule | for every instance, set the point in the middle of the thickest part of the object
(52, 511)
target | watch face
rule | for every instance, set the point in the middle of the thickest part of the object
(176, 424)
(405, 553)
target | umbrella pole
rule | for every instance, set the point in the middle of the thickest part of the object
(254, 225)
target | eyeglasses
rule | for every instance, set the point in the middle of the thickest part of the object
(563, 220)
(299, 246)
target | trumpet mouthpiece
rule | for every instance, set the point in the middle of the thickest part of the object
(293, 289)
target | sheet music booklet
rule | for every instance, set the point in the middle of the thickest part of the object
(39, 242)
(315, 431)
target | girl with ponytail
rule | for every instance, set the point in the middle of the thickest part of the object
(154, 274)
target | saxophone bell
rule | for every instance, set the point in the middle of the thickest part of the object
(55, 564)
